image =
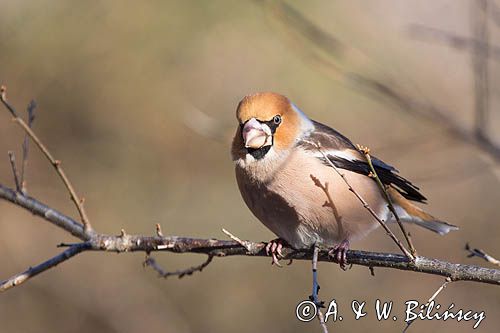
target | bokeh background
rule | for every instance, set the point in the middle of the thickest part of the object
(137, 98)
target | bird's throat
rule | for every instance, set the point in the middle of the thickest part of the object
(259, 153)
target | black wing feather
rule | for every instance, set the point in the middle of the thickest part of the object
(329, 138)
(385, 172)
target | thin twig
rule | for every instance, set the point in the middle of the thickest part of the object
(453, 40)
(245, 244)
(321, 319)
(151, 262)
(158, 230)
(20, 278)
(366, 153)
(3, 98)
(55, 163)
(364, 203)
(432, 298)
(481, 254)
(30, 110)
(315, 284)
(494, 12)
(12, 160)
(479, 15)
(315, 290)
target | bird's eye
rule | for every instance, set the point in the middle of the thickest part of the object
(277, 119)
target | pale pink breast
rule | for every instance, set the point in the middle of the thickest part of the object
(292, 206)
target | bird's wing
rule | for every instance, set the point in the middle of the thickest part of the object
(344, 154)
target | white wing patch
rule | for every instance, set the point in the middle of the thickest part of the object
(345, 154)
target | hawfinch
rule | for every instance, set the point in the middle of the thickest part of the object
(281, 161)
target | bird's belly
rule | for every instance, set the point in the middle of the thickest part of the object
(273, 210)
(295, 208)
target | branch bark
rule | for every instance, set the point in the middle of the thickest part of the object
(33, 271)
(220, 248)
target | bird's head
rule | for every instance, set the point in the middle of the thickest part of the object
(269, 126)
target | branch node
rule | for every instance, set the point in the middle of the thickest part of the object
(245, 244)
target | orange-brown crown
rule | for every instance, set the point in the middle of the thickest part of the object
(264, 106)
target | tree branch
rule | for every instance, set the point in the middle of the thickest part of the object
(55, 163)
(432, 298)
(33, 271)
(45, 212)
(13, 167)
(481, 254)
(223, 248)
(151, 262)
(30, 110)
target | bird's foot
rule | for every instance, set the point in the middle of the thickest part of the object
(274, 248)
(338, 253)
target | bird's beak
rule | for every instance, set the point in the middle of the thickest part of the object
(256, 135)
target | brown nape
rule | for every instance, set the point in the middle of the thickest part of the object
(264, 106)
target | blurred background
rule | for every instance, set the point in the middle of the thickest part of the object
(137, 98)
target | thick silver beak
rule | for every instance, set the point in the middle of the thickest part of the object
(256, 135)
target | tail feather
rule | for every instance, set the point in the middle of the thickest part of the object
(437, 226)
(408, 212)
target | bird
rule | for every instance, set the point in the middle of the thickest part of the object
(284, 170)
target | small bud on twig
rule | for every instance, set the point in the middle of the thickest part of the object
(158, 230)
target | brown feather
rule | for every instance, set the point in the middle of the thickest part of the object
(417, 216)
(410, 208)
(263, 107)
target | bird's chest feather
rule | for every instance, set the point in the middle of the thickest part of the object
(270, 207)
(285, 201)
(291, 205)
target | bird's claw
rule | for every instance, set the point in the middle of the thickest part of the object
(274, 248)
(339, 254)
